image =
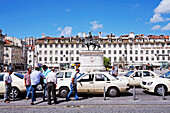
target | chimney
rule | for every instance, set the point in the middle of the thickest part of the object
(132, 35)
(100, 33)
(84, 34)
(43, 35)
(0, 32)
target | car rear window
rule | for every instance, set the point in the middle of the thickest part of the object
(129, 73)
(1, 77)
(19, 75)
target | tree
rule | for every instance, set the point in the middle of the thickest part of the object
(106, 62)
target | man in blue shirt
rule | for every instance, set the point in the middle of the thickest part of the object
(73, 84)
(45, 72)
(35, 80)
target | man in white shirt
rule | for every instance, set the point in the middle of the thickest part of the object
(8, 81)
(51, 80)
(73, 85)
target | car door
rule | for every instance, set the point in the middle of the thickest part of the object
(100, 82)
(147, 75)
(68, 76)
(60, 76)
(2, 84)
(135, 78)
(86, 83)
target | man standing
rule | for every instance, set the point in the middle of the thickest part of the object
(73, 85)
(51, 80)
(114, 71)
(8, 81)
(27, 81)
(35, 80)
(45, 72)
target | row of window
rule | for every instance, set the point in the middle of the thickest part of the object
(57, 59)
(109, 52)
(114, 58)
(104, 45)
(139, 58)
(61, 45)
(138, 52)
(56, 52)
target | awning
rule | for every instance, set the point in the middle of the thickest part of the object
(156, 64)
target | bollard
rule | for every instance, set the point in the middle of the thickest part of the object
(163, 93)
(134, 94)
(13, 98)
(104, 93)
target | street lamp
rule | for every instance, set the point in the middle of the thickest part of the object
(70, 58)
(126, 54)
(37, 57)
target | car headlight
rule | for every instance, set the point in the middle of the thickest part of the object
(149, 83)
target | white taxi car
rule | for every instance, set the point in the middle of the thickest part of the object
(135, 77)
(94, 83)
(17, 83)
(155, 85)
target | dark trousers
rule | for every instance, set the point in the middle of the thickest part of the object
(51, 88)
(44, 91)
(33, 97)
(7, 92)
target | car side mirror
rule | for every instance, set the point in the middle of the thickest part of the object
(131, 77)
(79, 81)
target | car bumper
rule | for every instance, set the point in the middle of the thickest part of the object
(125, 89)
(148, 88)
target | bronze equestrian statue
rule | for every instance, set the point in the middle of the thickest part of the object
(89, 41)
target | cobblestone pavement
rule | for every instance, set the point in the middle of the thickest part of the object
(145, 103)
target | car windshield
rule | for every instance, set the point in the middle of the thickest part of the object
(166, 75)
(19, 75)
(129, 73)
(113, 76)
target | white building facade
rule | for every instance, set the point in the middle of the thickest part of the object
(128, 49)
(30, 52)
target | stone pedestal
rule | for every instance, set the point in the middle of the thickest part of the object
(91, 60)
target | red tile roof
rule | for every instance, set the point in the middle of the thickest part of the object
(158, 37)
(7, 42)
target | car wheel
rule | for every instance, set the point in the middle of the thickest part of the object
(158, 90)
(39, 87)
(14, 92)
(63, 92)
(113, 92)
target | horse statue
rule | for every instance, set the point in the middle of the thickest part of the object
(89, 41)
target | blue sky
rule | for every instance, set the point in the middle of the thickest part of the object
(25, 18)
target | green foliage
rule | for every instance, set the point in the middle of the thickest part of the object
(106, 62)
